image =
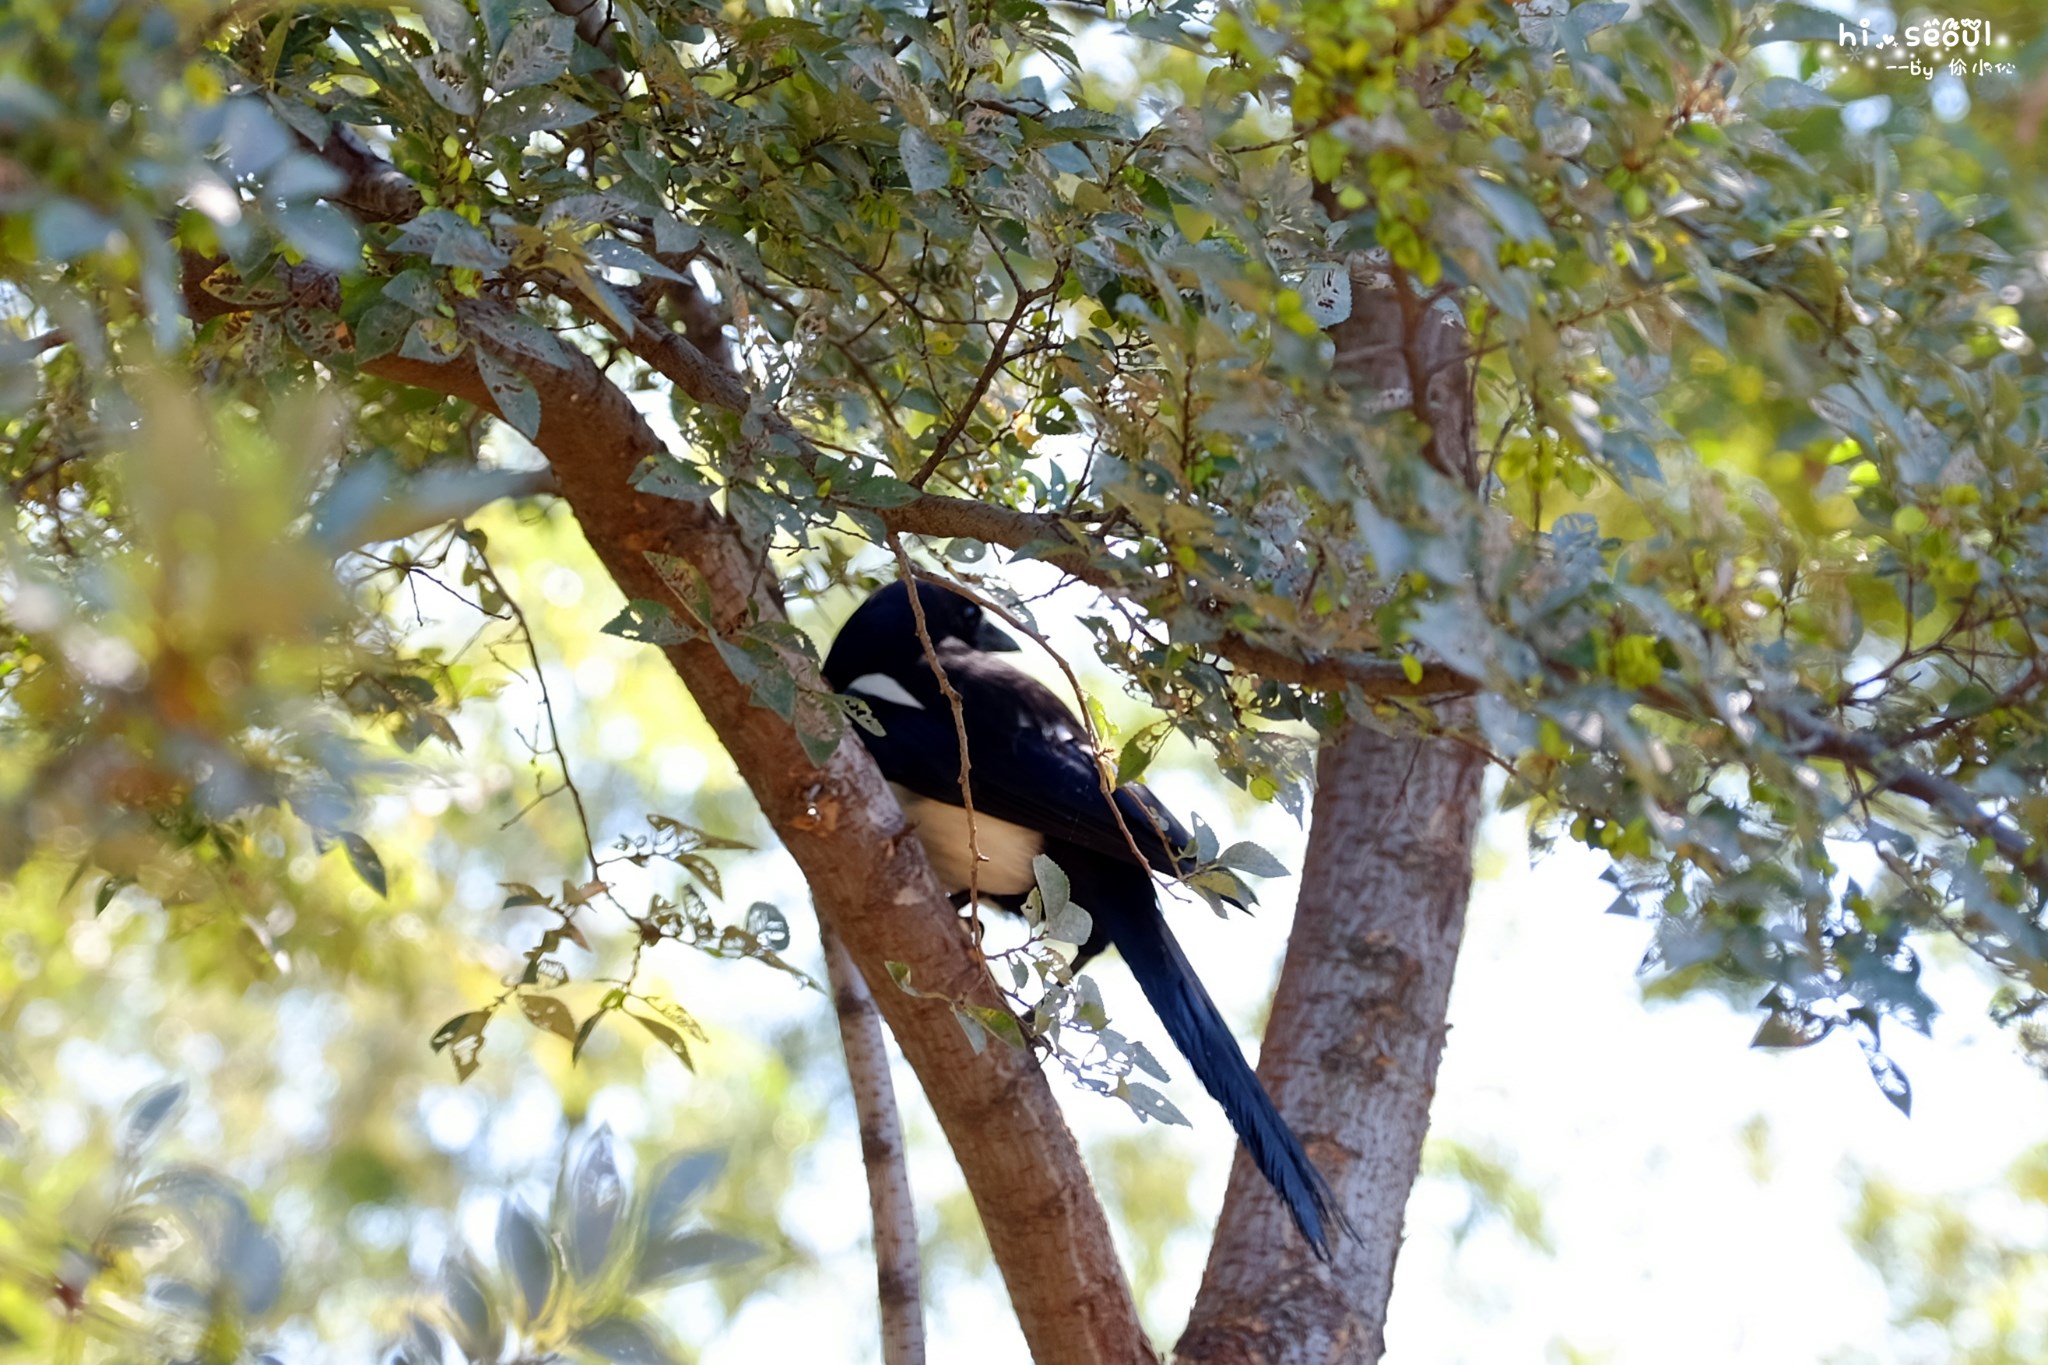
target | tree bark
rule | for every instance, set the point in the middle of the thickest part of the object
(890, 1205)
(1357, 1025)
(1351, 1051)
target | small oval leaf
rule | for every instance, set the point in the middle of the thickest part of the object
(524, 1247)
(148, 1115)
(676, 1189)
(691, 1251)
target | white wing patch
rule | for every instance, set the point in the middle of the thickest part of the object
(882, 687)
(1006, 849)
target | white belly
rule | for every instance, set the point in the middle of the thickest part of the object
(1006, 849)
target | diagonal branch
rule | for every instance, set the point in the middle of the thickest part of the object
(997, 358)
(870, 880)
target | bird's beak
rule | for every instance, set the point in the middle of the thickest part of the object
(993, 640)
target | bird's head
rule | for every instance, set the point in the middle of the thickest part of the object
(882, 632)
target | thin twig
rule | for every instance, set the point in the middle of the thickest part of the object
(1102, 776)
(547, 704)
(996, 359)
(931, 656)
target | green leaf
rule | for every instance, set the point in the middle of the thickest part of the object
(433, 341)
(1223, 882)
(511, 391)
(382, 326)
(648, 623)
(534, 111)
(667, 1037)
(977, 1036)
(108, 889)
(681, 1180)
(1783, 94)
(536, 50)
(1071, 924)
(147, 1116)
(470, 1312)
(1246, 856)
(1053, 887)
(1891, 1081)
(667, 477)
(463, 1039)
(365, 861)
(462, 1025)
(999, 1022)
(1139, 751)
(626, 1340)
(1791, 1028)
(449, 239)
(550, 1015)
(767, 924)
(525, 1250)
(1148, 1103)
(65, 229)
(926, 164)
(819, 728)
(876, 490)
(583, 1033)
(683, 578)
(596, 1196)
(672, 1257)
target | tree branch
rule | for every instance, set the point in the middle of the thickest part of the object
(1043, 535)
(890, 1204)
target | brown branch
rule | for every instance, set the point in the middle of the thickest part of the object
(1351, 1050)
(1059, 541)
(377, 191)
(594, 26)
(1048, 536)
(897, 1276)
(996, 359)
(931, 657)
(1870, 753)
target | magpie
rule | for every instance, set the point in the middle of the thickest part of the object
(1037, 789)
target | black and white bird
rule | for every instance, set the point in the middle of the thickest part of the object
(1037, 790)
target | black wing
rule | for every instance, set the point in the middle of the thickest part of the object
(1031, 762)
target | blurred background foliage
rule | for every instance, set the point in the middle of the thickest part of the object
(1967, 1269)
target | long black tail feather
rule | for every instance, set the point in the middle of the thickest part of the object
(1129, 916)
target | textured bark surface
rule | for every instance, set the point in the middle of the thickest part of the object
(1351, 1051)
(890, 1205)
(866, 870)
(1358, 1025)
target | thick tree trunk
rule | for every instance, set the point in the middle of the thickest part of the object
(1351, 1051)
(1358, 1025)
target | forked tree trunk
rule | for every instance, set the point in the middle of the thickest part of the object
(1351, 1052)
(1358, 1022)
